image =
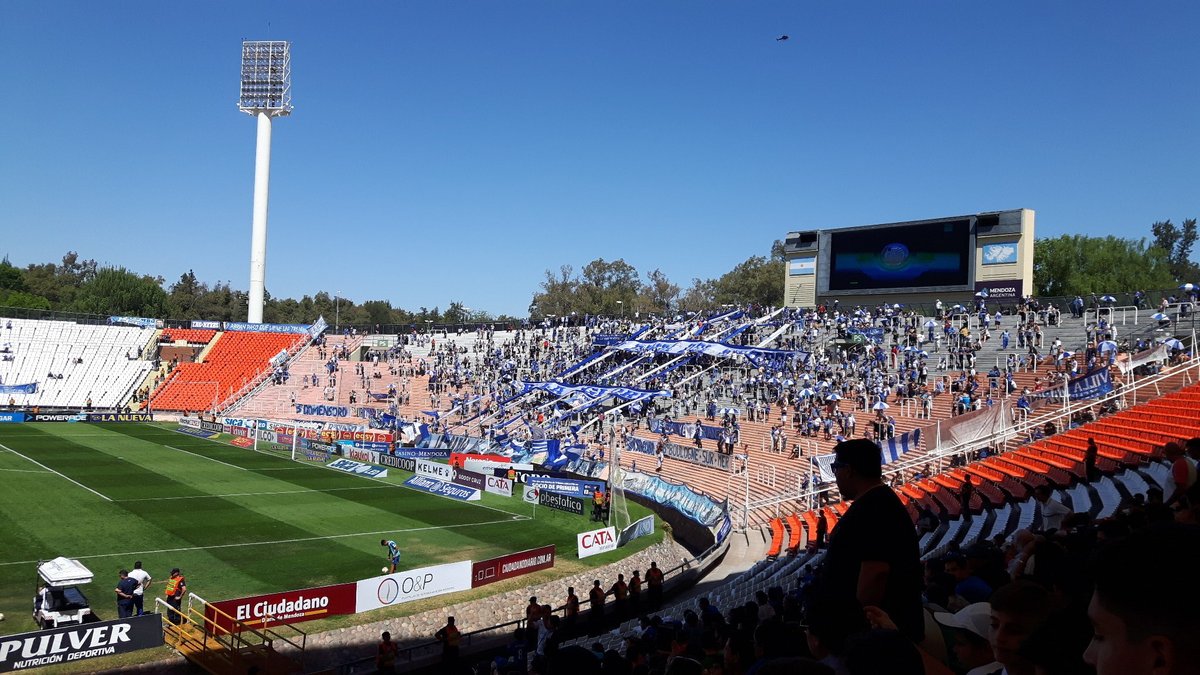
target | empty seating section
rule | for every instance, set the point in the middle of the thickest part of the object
(195, 336)
(101, 363)
(236, 360)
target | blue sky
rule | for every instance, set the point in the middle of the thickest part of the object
(446, 151)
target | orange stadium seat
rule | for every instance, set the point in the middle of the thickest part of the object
(189, 335)
(237, 359)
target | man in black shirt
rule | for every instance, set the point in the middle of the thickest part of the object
(873, 557)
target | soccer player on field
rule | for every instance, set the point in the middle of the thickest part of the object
(393, 553)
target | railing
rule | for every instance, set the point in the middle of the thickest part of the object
(215, 641)
(1111, 313)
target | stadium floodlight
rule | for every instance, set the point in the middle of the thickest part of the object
(266, 93)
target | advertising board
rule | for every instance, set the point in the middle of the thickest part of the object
(350, 466)
(469, 479)
(403, 463)
(596, 541)
(354, 453)
(401, 587)
(287, 607)
(512, 565)
(565, 486)
(437, 487)
(79, 642)
(560, 502)
(120, 417)
(443, 472)
(12, 418)
(498, 486)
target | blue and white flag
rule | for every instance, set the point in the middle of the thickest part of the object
(893, 448)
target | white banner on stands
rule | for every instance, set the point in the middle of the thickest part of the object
(424, 582)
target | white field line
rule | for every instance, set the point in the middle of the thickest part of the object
(211, 459)
(248, 494)
(24, 470)
(276, 541)
(107, 499)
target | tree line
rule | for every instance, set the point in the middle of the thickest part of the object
(1063, 265)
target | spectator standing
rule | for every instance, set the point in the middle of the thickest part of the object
(620, 593)
(386, 654)
(126, 585)
(654, 585)
(971, 646)
(635, 593)
(596, 606)
(873, 557)
(571, 607)
(139, 594)
(449, 636)
(1089, 461)
(174, 591)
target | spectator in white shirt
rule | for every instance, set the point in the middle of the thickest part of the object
(1053, 511)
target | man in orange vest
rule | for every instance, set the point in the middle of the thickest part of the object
(449, 637)
(175, 589)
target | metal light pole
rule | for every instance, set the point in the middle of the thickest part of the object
(337, 311)
(266, 92)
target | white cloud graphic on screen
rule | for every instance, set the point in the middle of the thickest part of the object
(1000, 253)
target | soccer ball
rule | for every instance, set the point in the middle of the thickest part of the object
(384, 570)
(1, 617)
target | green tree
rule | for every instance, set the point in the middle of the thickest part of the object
(659, 294)
(1177, 243)
(116, 290)
(11, 278)
(1075, 263)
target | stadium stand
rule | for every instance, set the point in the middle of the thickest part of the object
(72, 363)
(236, 362)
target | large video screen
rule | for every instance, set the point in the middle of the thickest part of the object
(904, 256)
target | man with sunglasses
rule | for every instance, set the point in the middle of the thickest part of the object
(873, 557)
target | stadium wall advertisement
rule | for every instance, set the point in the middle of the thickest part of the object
(498, 486)
(12, 418)
(206, 325)
(402, 463)
(79, 642)
(350, 466)
(267, 327)
(198, 433)
(287, 607)
(322, 410)
(55, 417)
(512, 565)
(423, 453)
(437, 487)
(442, 472)
(561, 502)
(120, 417)
(354, 453)
(401, 587)
(475, 481)
(215, 427)
(565, 486)
(596, 541)
(1010, 289)
(460, 459)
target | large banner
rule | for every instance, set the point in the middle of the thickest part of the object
(267, 327)
(1159, 353)
(424, 582)
(973, 426)
(643, 527)
(596, 541)
(11, 417)
(322, 410)
(424, 453)
(206, 325)
(685, 429)
(139, 321)
(79, 642)
(683, 453)
(287, 607)
(512, 565)
(13, 389)
(694, 505)
(1094, 384)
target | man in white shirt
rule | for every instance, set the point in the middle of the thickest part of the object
(139, 594)
(1053, 511)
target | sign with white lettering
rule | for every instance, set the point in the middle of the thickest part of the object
(597, 541)
(79, 642)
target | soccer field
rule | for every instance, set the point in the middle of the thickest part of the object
(236, 521)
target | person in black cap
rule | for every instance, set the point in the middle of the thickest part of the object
(873, 557)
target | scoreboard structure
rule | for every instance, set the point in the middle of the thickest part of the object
(913, 262)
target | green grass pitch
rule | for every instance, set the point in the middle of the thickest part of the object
(236, 521)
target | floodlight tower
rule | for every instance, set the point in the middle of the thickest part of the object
(266, 93)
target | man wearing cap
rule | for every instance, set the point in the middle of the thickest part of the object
(873, 557)
(971, 647)
(175, 589)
